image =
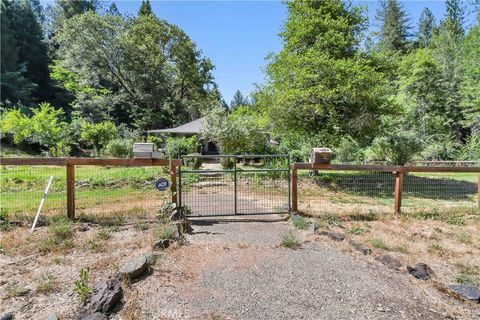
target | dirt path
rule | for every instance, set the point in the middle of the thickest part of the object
(239, 271)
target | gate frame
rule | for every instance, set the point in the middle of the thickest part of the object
(235, 177)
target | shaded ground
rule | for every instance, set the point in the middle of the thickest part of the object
(239, 271)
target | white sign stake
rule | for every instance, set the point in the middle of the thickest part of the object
(41, 204)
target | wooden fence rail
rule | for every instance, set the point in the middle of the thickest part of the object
(70, 164)
(399, 172)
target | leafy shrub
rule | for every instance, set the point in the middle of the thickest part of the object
(120, 148)
(471, 149)
(397, 148)
(81, 285)
(44, 128)
(158, 141)
(439, 147)
(298, 155)
(227, 163)
(195, 162)
(349, 150)
(98, 134)
(177, 147)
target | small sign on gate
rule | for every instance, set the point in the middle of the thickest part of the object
(162, 184)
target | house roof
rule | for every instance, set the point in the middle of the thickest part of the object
(192, 127)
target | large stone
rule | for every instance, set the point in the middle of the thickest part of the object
(420, 271)
(312, 227)
(7, 316)
(105, 295)
(360, 247)
(469, 292)
(134, 268)
(389, 261)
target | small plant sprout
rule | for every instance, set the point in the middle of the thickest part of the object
(290, 241)
(299, 222)
(81, 287)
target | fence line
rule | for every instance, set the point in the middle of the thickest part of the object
(70, 164)
(398, 171)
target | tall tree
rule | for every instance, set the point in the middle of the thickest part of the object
(454, 17)
(113, 9)
(28, 48)
(238, 100)
(146, 73)
(426, 25)
(320, 84)
(393, 34)
(145, 8)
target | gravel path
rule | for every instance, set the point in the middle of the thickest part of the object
(239, 271)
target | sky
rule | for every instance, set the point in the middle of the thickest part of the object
(238, 35)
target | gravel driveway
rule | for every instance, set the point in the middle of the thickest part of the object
(239, 271)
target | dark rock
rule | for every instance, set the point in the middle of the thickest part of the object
(51, 316)
(420, 271)
(93, 316)
(469, 292)
(389, 261)
(134, 268)
(360, 247)
(83, 227)
(105, 296)
(7, 316)
(162, 244)
(337, 236)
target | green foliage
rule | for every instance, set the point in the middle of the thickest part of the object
(471, 149)
(61, 228)
(299, 222)
(81, 287)
(228, 163)
(394, 26)
(290, 241)
(397, 148)
(357, 230)
(378, 243)
(236, 133)
(98, 134)
(177, 147)
(195, 162)
(45, 128)
(426, 25)
(120, 148)
(349, 150)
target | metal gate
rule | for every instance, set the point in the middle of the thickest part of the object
(234, 185)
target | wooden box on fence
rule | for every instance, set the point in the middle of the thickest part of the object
(320, 155)
(142, 150)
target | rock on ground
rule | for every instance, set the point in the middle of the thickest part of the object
(360, 247)
(389, 261)
(420, 271)
(134, 268)
(469, 292)
(105, 295)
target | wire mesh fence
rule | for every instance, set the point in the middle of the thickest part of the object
(230, 184)
(373, 192)
(337, 192)
(99, 190)
(107, 190)
(22, 188)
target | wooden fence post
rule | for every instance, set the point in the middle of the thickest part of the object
(70, 190)
(398, 191)
(173, 188)
(294, 180)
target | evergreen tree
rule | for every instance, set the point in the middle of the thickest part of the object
(113, 10)
(393, 33)
(30, 51)
(454, 17)
(145, 8)
(426, 25)
(238, 100)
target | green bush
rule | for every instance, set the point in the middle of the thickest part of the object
(228, 163)
(120, 148)
(98, 134)
(397, 148)
(195, 162)
(439, 147)
(158, 141)
(177, 147)
(349, 150)
(471, 149)
(298, 155)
